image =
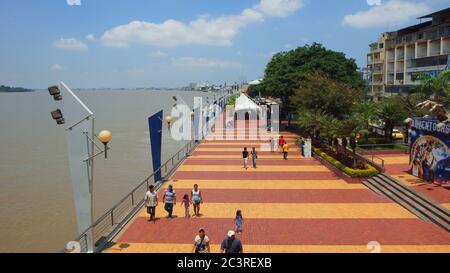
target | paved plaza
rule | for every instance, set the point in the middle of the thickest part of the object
(298, 205)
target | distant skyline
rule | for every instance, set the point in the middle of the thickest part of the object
(170, 43)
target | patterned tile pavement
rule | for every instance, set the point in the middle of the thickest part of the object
(297, 205)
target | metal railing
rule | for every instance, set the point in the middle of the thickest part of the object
(372, 158)
(367, 152)
(110, 223)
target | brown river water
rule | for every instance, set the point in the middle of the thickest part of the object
(37, 212)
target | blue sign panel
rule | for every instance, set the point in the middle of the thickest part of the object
(155, 128)
(430, 153)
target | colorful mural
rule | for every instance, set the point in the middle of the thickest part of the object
(430, 152)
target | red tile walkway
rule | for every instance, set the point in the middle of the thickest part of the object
(309, 209)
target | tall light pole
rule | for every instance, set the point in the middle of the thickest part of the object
(81, 138)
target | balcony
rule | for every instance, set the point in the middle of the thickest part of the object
(421, 34)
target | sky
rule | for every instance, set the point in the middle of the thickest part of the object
(171, 43)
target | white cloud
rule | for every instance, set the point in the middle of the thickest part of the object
(158, 54)
(74, 2)
(90, 37)
(373, 2)
(191, 62)
(280, 8)
(56, 68)
(204, 30)
(70, 44)
(391, 13)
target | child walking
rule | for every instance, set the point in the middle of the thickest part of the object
(238, 221)
(186, 204)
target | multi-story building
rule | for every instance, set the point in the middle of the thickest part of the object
(376, 66)
(422, 48)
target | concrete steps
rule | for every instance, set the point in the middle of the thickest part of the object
(416, 203)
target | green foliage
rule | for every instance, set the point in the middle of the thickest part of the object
(320, 121)
(369, 172)
(254, 90)
(319, 92)
(391, 113)
(375, 140)
(408, 104)
(287, 70)
(436, 88)
(232, 100)
(365, 113)
(13, 89)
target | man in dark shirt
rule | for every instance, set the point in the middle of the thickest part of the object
(231, 244)
(245, 157)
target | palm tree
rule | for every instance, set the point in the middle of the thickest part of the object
(364, 114)
(319, 121)
(390, 114)
(436, 88)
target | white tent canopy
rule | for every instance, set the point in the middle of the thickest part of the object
(255, 82)
(243, 103)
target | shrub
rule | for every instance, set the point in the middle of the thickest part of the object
(368, 172)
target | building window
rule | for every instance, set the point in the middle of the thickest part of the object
(420, 36)
(381, 45)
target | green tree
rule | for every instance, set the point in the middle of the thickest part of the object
(363, 115)
(318, 92)
(286, 70)
(436, 88)
(390, 113)
(408, 105)
(318, 121)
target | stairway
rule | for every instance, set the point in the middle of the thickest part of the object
(416, 203)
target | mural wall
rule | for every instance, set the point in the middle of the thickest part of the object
(430, 151)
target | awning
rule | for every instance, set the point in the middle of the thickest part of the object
(255, 82)
(244, 103)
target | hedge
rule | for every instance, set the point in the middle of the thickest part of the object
(369, 172)
(372, 141)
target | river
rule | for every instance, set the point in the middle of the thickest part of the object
(37, 212)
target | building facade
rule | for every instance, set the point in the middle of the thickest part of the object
(376, 66)
(406, 53)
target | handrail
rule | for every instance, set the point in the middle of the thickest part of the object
(110, 213)
(187, 149)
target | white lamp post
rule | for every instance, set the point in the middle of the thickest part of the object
(79, 121)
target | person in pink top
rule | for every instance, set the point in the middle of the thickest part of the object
(186, 202)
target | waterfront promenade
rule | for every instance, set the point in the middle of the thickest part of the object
(297, 205)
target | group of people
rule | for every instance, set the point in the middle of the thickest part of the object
(230, 245)
(282, 145)
(201, 245)
(170, 200)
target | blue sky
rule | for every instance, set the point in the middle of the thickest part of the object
(141, 43)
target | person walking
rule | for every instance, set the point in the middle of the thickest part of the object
(281, 142)
(185, 203)
(151, 201)
(245, 157)
(272, 144)
(197, 199)
(201, 242)
(285, 151)
(302, 144)
(231, 244)
(238, 220)
(169, 200)
(254, 157)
